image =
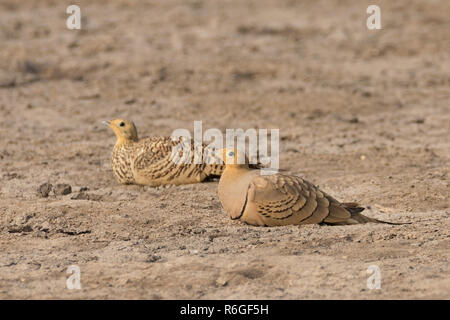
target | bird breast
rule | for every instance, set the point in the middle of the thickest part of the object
(233, 189)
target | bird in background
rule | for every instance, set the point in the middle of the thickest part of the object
(279, 199)
(150, 161)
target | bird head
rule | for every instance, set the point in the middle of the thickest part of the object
(233, 158)
(125, 130)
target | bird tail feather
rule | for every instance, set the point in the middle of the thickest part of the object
(355, 210)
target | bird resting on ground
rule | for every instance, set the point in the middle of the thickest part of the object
(150, 161)
(279, 199)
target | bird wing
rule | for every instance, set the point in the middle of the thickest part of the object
(170, 159)
(283, 199)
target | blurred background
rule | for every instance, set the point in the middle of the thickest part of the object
(310, 68)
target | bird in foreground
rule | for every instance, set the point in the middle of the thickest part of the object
(278, 199)
(149, 161)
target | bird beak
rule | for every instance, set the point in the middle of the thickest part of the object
(106, 123)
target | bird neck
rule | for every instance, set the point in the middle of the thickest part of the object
(236, 170)
(122, 141)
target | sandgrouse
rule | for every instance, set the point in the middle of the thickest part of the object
(278, 199)
(150, 161)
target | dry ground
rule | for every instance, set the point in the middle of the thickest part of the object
(364, 114)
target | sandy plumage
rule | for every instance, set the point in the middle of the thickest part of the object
(151, 161)
(278, 199)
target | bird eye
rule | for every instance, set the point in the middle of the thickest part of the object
(231, 153)
(122, 124)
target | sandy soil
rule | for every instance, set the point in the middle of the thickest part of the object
(364, 114)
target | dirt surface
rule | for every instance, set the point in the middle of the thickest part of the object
(363, 113)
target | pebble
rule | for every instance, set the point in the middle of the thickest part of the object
(44, 189)
(62, 189)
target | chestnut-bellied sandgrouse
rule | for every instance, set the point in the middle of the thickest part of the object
(278, 199)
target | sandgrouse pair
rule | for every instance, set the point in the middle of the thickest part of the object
(245, 194)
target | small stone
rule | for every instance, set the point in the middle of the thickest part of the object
(62, 189)
(80, 196)
(44, 189)
(152, 259)
(221, 282)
